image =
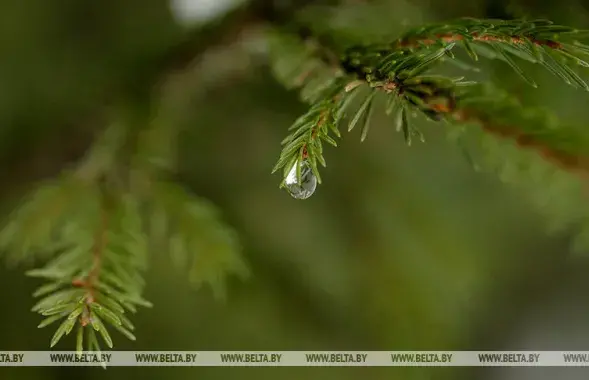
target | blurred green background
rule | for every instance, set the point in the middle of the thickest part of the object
(401, 248)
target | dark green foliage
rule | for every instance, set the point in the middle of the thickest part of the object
(539, 41)
(531, 150)
(527, 147)
(98, 278)
(96, 224)
(401, 70)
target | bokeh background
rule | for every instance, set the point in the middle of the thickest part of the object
(401, 248)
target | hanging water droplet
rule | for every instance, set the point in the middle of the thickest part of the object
(308, 183)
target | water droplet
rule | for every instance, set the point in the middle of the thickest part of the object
(308, 183)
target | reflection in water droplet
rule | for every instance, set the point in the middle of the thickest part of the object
(308, 183)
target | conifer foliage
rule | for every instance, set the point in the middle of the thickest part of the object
(95, 226)
(402, 70)
(526, 147)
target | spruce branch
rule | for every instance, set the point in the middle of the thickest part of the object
(527, 147)
(197, 242)
(503, 117)
(531, 150)
(90, 226)
(402, 71)
(554, 47)
(97, 278)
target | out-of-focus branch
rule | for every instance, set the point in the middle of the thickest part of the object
(224, 31)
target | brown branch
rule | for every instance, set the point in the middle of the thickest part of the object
(315, 130)
(100, 241)
(562, 159)
(89, 283)
(447, 105)
(322, 120)
(449, 38)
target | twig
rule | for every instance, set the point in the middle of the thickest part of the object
(449, 38)
(89, 283)
(224, 31)
(562, 159)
